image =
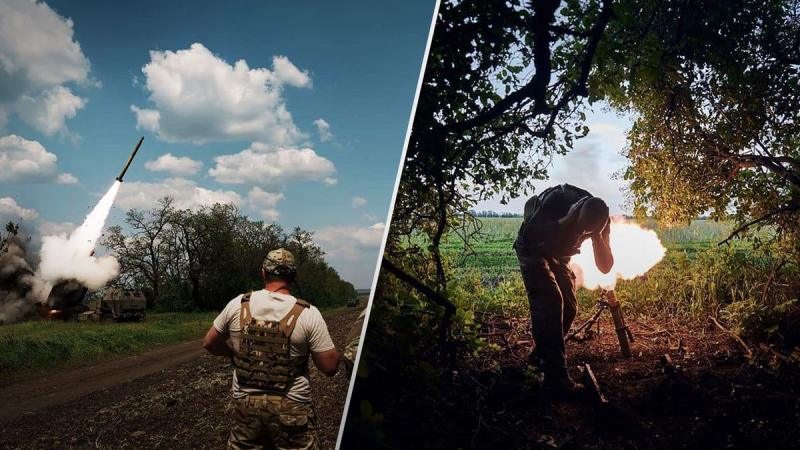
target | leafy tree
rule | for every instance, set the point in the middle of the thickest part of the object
(502, 93)
(200, 259)
(12, 229)
(714, 87)
(142, 254)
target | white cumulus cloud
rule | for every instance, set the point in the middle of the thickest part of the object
(358, 202)
(263, 166)
(28, 161)
(186, 194)
(10, 210)
(264, 202)
(284, 72)
(196, 96)
(324, 129)
(350, 242)
(24, 160)
(38, 58)
(177, 165)
(67, 178)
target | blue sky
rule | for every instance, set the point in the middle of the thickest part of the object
(319, 93)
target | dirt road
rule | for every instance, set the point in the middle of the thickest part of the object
(176, 397)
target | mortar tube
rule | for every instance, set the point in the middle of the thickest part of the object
(619, 323)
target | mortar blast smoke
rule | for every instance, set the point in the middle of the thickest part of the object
(70, 257)
(636, 250)
(20, 288)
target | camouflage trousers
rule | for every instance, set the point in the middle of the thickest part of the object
(272, 422)
(550, 285)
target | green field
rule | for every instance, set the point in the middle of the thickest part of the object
(33, 347)
(695, 277)
(491, 250)
(41, 346)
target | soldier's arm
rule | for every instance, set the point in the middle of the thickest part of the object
(217, 343)
(327, 362)
(323, 352)
(601, 245)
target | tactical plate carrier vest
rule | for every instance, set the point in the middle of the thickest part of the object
(264, 359)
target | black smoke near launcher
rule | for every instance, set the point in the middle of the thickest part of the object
(67, 268)
(20, 287)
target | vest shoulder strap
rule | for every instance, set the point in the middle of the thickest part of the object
(289, 321)
(244, 310)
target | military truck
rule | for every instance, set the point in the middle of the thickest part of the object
(117, 305)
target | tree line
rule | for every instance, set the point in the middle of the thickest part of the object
(494, 214)
(186, 260)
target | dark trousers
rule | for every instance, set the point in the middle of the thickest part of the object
(550, 285)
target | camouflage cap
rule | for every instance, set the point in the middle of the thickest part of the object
(279, 262)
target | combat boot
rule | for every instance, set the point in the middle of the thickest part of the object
(560, 385)
(535, 359)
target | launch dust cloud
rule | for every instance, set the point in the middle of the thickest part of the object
(71, 257)
(636, 250)
(61, 257)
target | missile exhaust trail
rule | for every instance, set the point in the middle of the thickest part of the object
(130, 159)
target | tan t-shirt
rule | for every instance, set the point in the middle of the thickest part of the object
(310, 335)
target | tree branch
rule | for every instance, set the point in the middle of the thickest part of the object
(789, 208)
(449, 308)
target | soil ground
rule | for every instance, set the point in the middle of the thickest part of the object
(710, 397)
(177, 397)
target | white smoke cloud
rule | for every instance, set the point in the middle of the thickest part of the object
(70, 257)
(20, 288)
(38, 57)
(54, 228)
(198, 97)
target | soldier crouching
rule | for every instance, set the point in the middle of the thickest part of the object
(273, 334)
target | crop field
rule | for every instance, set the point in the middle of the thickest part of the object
(695, 277)
(28, 348)
(492, 251)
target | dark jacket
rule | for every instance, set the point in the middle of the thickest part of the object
(540, 233)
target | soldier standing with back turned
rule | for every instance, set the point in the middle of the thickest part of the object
(273, 334)
(556, 223)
